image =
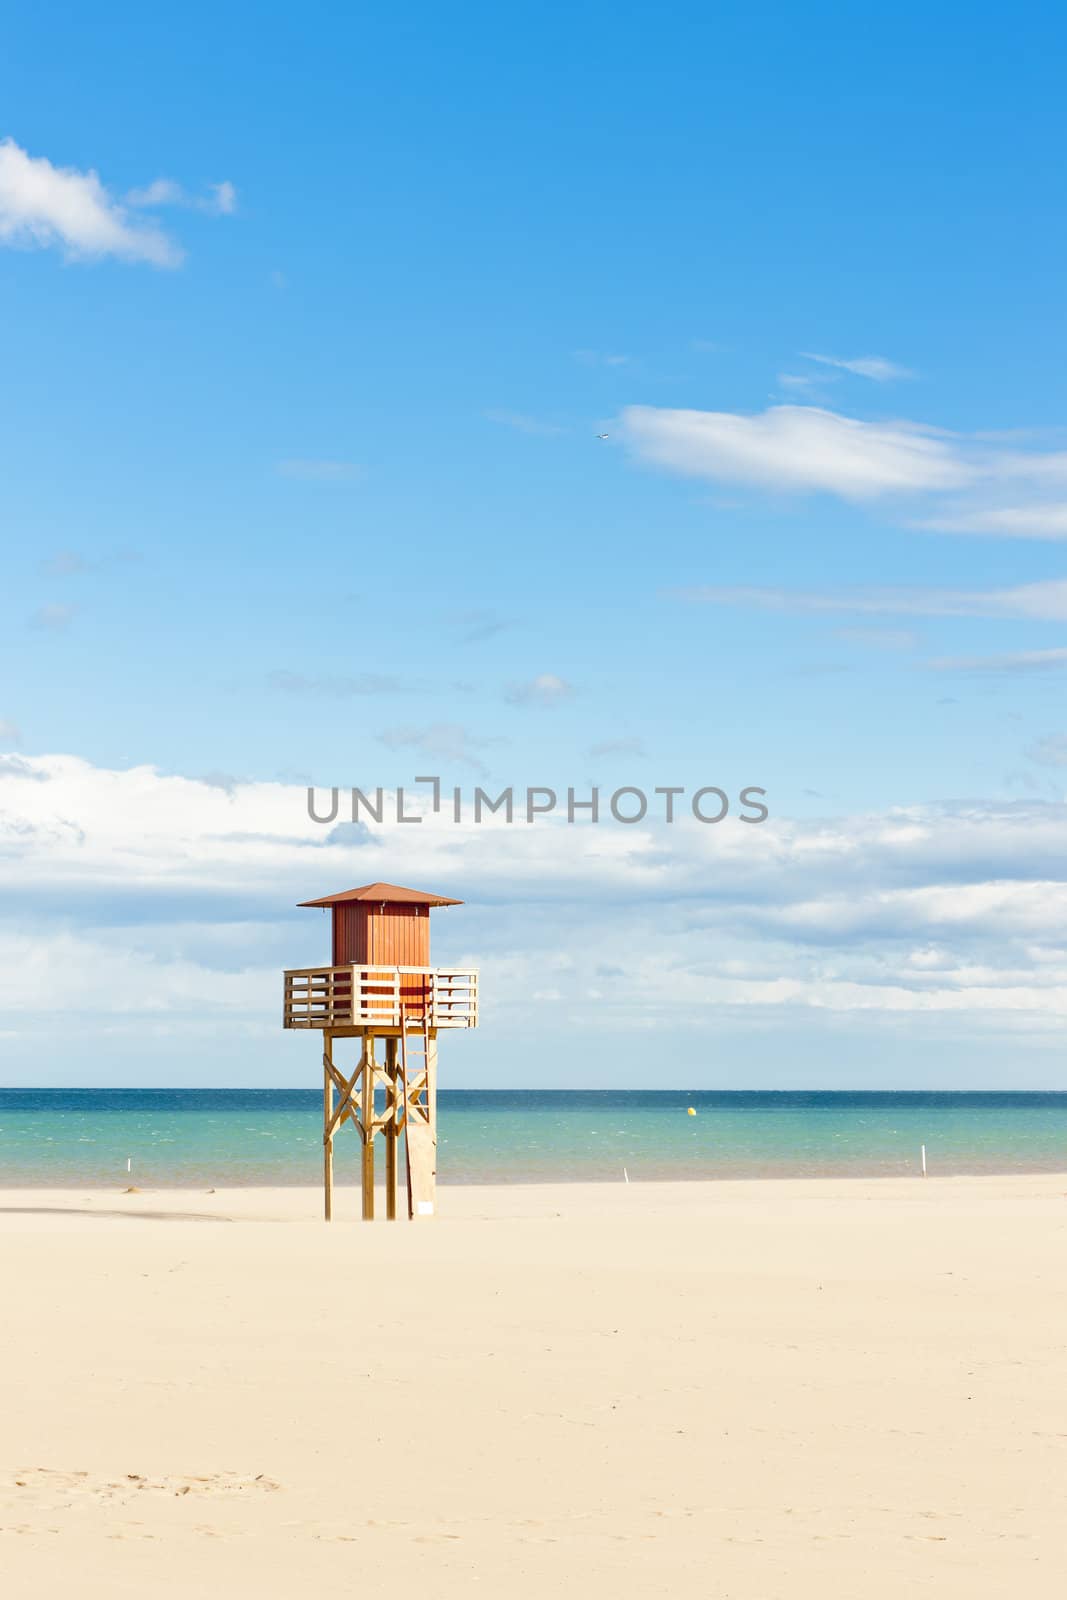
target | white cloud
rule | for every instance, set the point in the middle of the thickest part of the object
(1043, 521)
(876, 368)
(224, 198)
(19, 767)
(219, 201)
(544, 690)
(1013, 661)
(114, 980)
(940, 481)
(42, 206)
(1044, 601)
(180, 893)
(9, 731)
(1050, 465)
(797, 448)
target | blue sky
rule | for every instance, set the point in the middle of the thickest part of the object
(300, 481)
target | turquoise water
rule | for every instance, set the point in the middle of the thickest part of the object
(176, 1137)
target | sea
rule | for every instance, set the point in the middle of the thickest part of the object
(160, 1138)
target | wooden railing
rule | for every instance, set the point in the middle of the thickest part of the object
(363, 997)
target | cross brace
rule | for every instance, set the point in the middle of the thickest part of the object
(408, 1078)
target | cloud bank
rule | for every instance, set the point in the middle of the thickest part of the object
(163, 897)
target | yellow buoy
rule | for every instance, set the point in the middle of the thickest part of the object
(691, 1111)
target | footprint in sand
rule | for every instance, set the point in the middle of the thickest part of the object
(47, 1488)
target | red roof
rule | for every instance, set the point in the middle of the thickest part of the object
(390, 893)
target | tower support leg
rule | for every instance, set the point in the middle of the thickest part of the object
(392, 1138)
(420, 1121)
(367, 1130)
(327, 1126)
(431, 1102)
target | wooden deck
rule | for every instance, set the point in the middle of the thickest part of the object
(371, 997)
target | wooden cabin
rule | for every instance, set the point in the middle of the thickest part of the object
(381, 924)
(380, 945)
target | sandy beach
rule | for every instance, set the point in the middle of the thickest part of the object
(749, 1390)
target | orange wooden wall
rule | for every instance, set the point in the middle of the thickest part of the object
(401, 936)
(363, 933)
(349, 933)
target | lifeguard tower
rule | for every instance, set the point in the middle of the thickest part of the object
(381, 986)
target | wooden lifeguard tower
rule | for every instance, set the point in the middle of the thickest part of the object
(381, 987)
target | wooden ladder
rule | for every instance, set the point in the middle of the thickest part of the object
(417, 1098)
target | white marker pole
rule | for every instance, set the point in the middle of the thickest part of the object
(625, 1174)
(128, 1159)
(923, 1150)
